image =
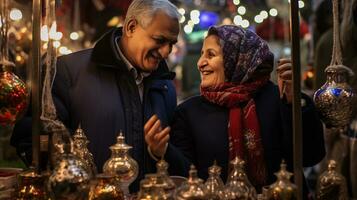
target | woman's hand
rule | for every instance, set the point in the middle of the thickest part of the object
(156, 137)
(284, 71)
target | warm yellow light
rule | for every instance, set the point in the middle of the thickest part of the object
(181, 11)
(236, 2)
(273, 12)
(15, 14)
(74, 36)
(44, 33)
(182, 19)
(56, 44)
(242, 10)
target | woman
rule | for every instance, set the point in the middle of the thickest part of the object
(239, 112)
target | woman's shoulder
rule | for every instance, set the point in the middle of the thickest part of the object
(190, 101)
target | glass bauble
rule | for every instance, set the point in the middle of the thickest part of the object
(13, 97)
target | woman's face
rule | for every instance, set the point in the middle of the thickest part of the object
(210, 63)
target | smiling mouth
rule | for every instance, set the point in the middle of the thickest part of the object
(206, 72)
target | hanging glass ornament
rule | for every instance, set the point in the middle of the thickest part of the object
(214, 184)
(13, 93)
(331, 184)
(104, 187)
(121, 165)
(193, 189)
(334, 99)
(238, 185)
(282, 189)
(80, 142)
(164, 178)
(70, 177)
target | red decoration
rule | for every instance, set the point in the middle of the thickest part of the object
(13, 98)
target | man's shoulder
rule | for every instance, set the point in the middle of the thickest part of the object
(76, 57)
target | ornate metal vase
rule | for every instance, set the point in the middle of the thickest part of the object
(32, 186)
(80, 142)
(70, 177)
(152, 188)
(282, 189)
(238, 185)
(214, 184)
(121, 165)
(164, 179)
(334, 99)
(104, 187)
(193, 189)
(331, 184)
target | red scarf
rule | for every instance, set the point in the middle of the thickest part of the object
(243, 128)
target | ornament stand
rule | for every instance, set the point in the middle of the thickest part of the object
(297, 125)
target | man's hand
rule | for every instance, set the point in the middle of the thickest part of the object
(284, 71)
(156, 137)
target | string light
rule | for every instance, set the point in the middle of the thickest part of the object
(74, 36)
(242, 10)
(236, 2)
(15, 14)
(273, 12)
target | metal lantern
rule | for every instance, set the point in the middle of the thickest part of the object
(334, 99)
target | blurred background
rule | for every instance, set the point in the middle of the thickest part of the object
(81, 22)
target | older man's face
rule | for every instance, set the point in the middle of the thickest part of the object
(148, 46)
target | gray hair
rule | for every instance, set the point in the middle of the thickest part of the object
(145, 10)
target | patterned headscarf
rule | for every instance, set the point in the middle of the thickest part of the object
(247, 66)
(245, 54)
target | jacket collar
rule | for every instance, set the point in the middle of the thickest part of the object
(105, 54)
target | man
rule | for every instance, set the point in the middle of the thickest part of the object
(121, 82)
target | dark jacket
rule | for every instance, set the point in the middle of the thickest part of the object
(95, 89)
(200, 132)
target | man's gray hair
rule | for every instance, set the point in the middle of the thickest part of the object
(145, 10)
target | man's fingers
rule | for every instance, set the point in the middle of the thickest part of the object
(162, 134)
(150, 123)
(163, 142)
(149, 135)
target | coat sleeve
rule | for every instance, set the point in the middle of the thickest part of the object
(180, 151)
(312, 133)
